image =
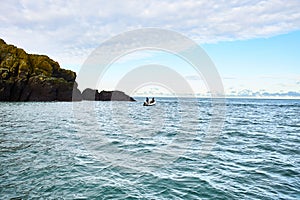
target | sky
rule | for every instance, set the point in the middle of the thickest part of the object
(253, 44)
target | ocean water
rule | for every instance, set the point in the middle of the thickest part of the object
(122, 150)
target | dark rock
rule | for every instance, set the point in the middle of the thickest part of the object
(94, 95)
(76, 96)
(89, 94)
(5, 90)
(17, 89)
(28, 77)
(114, 96)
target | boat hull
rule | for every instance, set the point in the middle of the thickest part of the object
(149, 104)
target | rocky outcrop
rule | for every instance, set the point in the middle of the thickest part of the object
(94, 95)
(29, 77)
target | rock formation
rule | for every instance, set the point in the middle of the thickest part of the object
(94, 95)
(28, 77)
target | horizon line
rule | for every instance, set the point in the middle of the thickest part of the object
(225, 97)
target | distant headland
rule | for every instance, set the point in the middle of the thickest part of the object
(31, 77)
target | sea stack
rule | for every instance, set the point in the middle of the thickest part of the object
(94, 95)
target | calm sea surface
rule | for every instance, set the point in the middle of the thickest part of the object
(122, 150)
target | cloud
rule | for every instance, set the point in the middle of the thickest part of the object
(134, 57)
(73, 28)
(193, 77)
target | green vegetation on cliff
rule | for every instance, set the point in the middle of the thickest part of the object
(30, 77)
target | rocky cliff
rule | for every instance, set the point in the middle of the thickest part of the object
(28, 77)
(94, 95)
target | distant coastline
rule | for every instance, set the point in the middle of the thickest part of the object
(226, 97)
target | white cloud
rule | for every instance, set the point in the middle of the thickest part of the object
(193, 77)
(69, 30)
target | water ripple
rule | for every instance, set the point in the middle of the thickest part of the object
(45, 150)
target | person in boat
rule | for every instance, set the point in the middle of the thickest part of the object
(146, 102)
(152, 100)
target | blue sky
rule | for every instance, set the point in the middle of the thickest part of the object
(254, 44)
(266, 64)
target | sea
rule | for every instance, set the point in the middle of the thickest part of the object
(181, 148)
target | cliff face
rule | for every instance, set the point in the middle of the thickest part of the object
(28, 77)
